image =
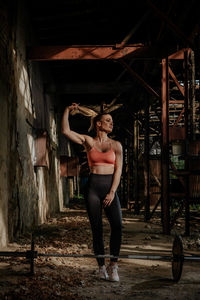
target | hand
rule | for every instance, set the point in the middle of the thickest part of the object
(108, 199)
(73, 106)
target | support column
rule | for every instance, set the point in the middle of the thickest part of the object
(186, 100)
(125, 201)
(165, 149)
(193, 98)
(136, 192)
(147, 202)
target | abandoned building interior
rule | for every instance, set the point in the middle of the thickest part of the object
(140, 64)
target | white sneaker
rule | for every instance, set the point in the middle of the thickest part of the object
(103, 273)
(113, 273)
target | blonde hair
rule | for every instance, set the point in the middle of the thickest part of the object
(85, 111)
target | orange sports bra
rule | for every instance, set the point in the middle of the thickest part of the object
(98, 158)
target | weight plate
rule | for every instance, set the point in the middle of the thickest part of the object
(177, 258)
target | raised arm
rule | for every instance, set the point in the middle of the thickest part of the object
(65, 127)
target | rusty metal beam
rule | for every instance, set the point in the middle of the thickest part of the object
(179, 117)
(45, 53)
(139, 78)
(165, 148)
(176, 102)
(133, 30)
(163, 23)
(181, 89)
(179, 54)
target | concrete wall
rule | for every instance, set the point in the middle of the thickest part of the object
(28, 194)
(3, 165)
(40, 191)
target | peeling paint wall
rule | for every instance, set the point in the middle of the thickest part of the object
(26, 185)
(7, 127)
(28, 194)
(41, 190)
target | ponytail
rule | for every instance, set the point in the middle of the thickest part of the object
(94, 116)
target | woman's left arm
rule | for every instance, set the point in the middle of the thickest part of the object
(117, 175)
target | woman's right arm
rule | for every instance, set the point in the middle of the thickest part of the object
(65, 127)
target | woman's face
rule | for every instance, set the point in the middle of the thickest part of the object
(106, 123)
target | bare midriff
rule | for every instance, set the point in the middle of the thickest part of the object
(102, 169)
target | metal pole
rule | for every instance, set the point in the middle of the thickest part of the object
(165, 149)
(136, 192)
(147, 202)
(145, 257)
(186, 98)
(193, 98)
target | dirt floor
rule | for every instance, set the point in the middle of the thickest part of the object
(70, 278)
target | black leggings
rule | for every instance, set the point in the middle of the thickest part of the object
(98, 187)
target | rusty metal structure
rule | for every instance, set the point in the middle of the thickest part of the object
(103, 53)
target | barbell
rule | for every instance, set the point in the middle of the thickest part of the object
(177, 258)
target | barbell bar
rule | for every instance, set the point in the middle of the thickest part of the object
(177, 258)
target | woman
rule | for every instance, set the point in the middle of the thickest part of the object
(105, 162)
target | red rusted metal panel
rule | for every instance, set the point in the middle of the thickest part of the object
(69, 166)
(194, 148)
(63, 165)
(41, 149)
(39, 53)
(176, 133)
(73, 166)
(194, 187)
